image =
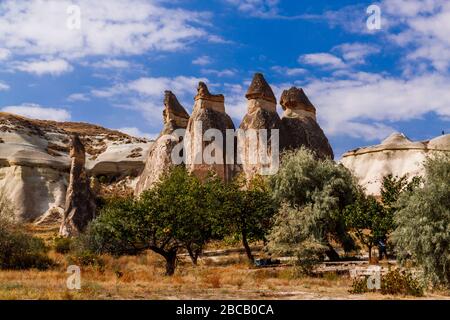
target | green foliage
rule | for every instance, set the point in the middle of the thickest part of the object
(245, 211)
(313, 195)
(369, 220)
(401, 282)
(178, 212)
(394, 283)
(423, 220)
(19, 250)
(62, 245)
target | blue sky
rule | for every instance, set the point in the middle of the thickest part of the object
(114, 68)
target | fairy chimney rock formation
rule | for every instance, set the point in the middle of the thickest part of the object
(160, 156)
(208, 113)
(80, 202)
(299, 124)
(261, 114)
(295, 103)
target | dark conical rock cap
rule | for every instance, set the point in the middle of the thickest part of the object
(295, 98)
(173, 105)
(203, 93)
(260, 89)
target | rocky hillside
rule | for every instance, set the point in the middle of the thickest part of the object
(396, 155)
(34, 160)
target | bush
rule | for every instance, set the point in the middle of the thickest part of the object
(62, 245)
(423, 223)
(401, 282)
(313, 194)
(20, 251)
(394, 283)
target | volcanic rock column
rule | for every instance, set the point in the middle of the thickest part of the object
(160, 157)
(300, 127)
(261, 115)
(80, 202)
(206, 137)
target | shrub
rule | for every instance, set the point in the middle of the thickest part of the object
(394, 283)
(20, 251)
(62, 245)
(313, 194)
(423, 223)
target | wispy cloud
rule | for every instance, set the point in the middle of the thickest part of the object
(52, 67)
(4, 86)
(202, 61)
(322, 59)
(36, 111)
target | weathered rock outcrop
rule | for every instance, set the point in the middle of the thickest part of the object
(160, 159)
(80, 202)
(396, 155)
(261, 114)
(35, 162)
(209, 113)
(300, 127)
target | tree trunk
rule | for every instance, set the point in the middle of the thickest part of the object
(332, 254)
(171, 262)
(193, 254)
(370, 254)
(248, 251)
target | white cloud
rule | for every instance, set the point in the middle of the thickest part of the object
(220, 73)
(52, 67)
(112, 28)
(111, 64)
(365, 105)
(257, 8)
(356, 53)
(322, 59)
(136, 132)
(146, 94)
(4, 86)
(78, 97)
(35, 111)
(4, 54)
(291, 72)
(202, 61)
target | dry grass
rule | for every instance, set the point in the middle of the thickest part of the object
(142, 278)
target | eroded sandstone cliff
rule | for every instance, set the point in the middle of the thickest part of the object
(396, 155)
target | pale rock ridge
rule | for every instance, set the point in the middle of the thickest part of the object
(208, 113)
(396, 155)
(299, 125)
(261, 114)
(35, 162)
(159, 159)
(80, 204)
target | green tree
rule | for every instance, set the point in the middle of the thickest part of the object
(369, 221)
(173, 215)
(423, 222)
(246, 211)
(317, 192)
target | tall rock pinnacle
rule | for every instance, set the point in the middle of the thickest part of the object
(160, 155)
(261, 114)
(80, 202)
(209, 113)
(299, 124)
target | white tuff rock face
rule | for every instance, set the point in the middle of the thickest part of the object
(35, 164)
(396, 155)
